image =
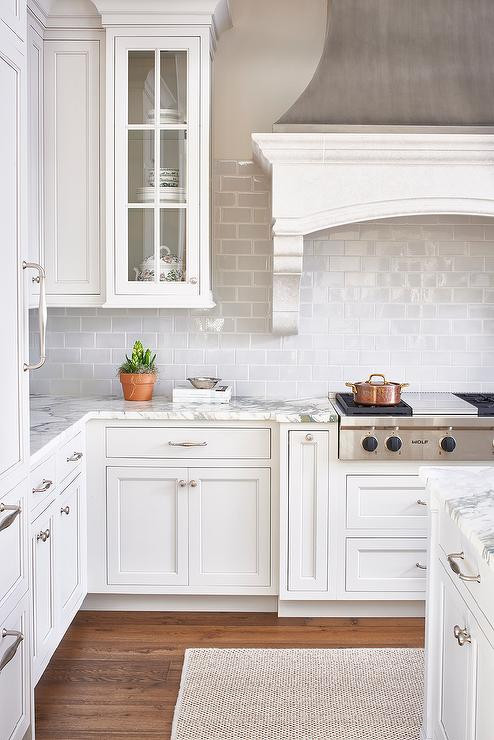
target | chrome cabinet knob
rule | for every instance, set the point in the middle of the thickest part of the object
(182, 483)
(462, 635)
(193, 484)
(65, 510)
(309, 437)
(43, 535)
(193, 281)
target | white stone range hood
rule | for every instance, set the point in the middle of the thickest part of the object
(397, 120)
(322, 180)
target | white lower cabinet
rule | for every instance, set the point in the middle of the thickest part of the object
(308, 505)
(15, 688)
(230, 526)
(188, 526)
(385, 564)
(58, 569)
(43, 570)
(69, 552)
(147, 526)
(13, 560)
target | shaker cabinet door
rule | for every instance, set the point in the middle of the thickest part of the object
(308, 502)
(13, 441)
(69, 510)
(147, 526)
(72, 171)
(44, 597)
(230, 527)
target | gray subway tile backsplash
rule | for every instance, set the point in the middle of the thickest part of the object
(411, 297)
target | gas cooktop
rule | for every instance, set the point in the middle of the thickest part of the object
(422, 404)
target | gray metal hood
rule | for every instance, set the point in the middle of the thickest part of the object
(411, 63)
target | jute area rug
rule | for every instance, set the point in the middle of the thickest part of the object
(344, 694)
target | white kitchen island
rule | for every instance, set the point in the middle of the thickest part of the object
(460, 604)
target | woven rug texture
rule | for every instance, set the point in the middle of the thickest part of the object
(343, 694)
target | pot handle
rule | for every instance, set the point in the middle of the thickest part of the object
(377, 375)
(404, 385)
(352, 386)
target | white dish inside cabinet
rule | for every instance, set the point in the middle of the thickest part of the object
(158, 161)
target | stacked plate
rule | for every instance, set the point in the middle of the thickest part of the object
(170, 194)
(167, 115)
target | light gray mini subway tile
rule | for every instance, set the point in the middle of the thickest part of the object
(96, 323)
(329, 247)
(64, 323)
(71, 355)
(470, 233)
(484, 248)
(81, 339)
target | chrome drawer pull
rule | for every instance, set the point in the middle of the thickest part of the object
(452, 558)
(65, 510)
(188, 444)
(419, 565)
(11, 651)
(462, 635)
(45, 485)
(421, 503)
(74, 457)
(43, 535)
(16, 510)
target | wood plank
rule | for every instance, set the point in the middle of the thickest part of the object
(116, 675)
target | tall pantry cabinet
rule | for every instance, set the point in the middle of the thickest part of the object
(15, 685)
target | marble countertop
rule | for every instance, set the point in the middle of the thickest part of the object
(468, 496)
(52, 416)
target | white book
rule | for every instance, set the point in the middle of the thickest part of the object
(219, 394)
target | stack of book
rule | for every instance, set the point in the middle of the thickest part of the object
(185, 393)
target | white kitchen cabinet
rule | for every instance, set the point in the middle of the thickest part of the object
(308, 504)
(230, 526)
(386, 502)
(13, 545)
(386, 564)
(13, 429)
(158, 154)
(43, 586)
(72, 171)
(15, 688)
(35, 152)
(147, 526)
(484, 715)
(13, 15)
(69, 552)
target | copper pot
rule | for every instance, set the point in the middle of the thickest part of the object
(385, 393)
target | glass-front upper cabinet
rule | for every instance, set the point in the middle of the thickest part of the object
(160, 164)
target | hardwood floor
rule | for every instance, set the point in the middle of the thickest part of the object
(116, 675)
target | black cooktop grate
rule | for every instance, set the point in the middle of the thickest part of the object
(350, 408)
(484, 402)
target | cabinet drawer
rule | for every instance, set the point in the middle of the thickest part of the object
(188, 443)
(385, 564)
(14, 678)
(385, 502)
(70, 456)
(13, 544)
(42, 482)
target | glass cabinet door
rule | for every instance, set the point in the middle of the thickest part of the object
(160, 195)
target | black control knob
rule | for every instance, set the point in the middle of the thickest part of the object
(448, 444)
(369, 444)
(393, 444)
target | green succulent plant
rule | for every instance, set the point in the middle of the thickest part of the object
(139, 362)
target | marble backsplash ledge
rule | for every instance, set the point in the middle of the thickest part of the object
(413, 298)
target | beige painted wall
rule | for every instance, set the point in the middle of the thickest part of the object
(262, 65)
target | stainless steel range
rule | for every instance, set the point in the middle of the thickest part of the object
(425, 426)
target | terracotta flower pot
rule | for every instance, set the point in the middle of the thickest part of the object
(138, 386)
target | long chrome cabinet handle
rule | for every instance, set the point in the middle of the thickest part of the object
(75, 457)
(452, 558)
(188, 444)
(42, 313)
(11, 651)
(45, 485)
(16, 510)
